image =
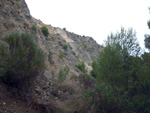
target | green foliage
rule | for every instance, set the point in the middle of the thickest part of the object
(138, 99)
(84, 45)
(65, 46)
(147, 41)
(86, 77)
(143, 67)
(86, 80)
(34, 27)
(125, 42)
(78, 56)
(148, 23)
(147, 38)
(61, 54)
(120, 67)
(107, 67)
(95, 69)
(105, 99)
(114, 63)
(63, 73)
(4, 48)
(44, 30)
(18, 4)
(81, 66)
(24, 60)
(123, 81)
(4, 52)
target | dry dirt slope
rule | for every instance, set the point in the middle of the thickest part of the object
(47, 92)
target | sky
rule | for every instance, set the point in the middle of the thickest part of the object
(94, 18)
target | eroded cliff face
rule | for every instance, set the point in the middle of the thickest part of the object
(62, 48)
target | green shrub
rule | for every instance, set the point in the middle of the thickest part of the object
(61, 55)
(63, 73)
(81, 66)
(4, 51)
(65, 46)
(24, 61)
(84, 45)
(34, 27)
(44, 30)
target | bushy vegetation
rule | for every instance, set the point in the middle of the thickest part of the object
(63, 73)
(4, 52)
(122, 75)
(86, 80)
(61, 54)
(44, 30)
(105, 99)
(34, 27)
(84, 45)
(81, 66)
(115, 61)
(65, 46)
(23, 61)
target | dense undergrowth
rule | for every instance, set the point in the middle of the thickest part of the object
(21, 59)
(122, 76)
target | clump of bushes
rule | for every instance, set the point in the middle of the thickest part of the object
(105, 99)
(44, 30)
(108, 99)
(24, 61)
(81, 66)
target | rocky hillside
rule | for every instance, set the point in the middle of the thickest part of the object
(75, 48)
(63, 50)
(15, 17)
